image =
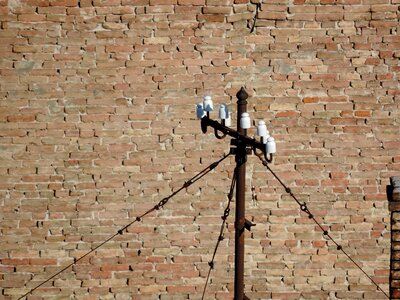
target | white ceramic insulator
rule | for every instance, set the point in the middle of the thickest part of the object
(208, 104)
(271, 146)
(223, 112)
(228, 121)
(200, 111)
(245, 122)
(262, 129)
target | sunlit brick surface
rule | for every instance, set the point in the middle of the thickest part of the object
(97, 125)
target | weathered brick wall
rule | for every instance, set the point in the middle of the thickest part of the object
(97, 125)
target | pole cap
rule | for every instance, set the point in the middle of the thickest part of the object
(242, 94)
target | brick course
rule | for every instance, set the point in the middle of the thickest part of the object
(97, 125)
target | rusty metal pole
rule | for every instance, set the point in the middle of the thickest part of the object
(241, 157)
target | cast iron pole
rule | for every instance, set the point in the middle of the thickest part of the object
(241, 157)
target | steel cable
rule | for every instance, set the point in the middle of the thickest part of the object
(253, 26)
(221, 232)
(304, 208)
(159, 205)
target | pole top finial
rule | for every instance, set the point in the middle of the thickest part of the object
(242, 94)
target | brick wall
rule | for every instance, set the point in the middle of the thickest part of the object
(97, 125)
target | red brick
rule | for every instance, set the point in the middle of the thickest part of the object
(163, 2)
(43, 261)
(64, 2)
(191, 2)
(21, 118)
(240, 62)
(180, 289)
(40, 3)
(216, 10)
(272, 15)
(14, 262)
(362, 113)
